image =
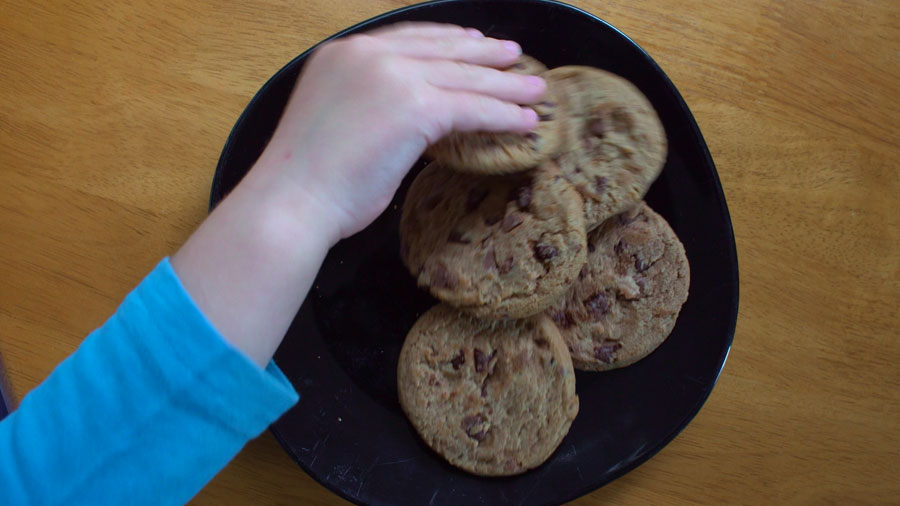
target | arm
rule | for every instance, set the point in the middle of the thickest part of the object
(364, 111)
(169, 389)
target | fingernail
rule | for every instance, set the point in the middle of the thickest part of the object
(535, 81)
(512, 47)
(530, 114)
(474, 33)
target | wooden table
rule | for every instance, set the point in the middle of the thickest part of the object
(112, 116)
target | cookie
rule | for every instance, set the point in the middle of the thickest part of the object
(628, 296)
(527, 65)
(495, 246)
(493, 398)
(615, 143)
(504, 152)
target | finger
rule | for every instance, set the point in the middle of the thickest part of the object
(468, 112)
(506, 86)
(425, 29)
(486, 51)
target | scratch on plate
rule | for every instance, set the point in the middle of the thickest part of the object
(365, 476)
(527, 495)
(396, 462)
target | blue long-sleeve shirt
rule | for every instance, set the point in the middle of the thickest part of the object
(147, 410)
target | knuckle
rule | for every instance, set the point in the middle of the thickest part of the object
(359, 44)
(471, 73)
(443, 45)
(419, 100)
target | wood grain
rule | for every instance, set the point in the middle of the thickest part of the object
(112, 115)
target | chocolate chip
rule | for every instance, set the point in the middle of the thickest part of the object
(481, 360)
(457, 237)
(442, 278)
(523, 197)
(591, 247)
(598, 127)
(562, 319)
(458, 360)
(582, 273)
(619, 247)
(542, 343)
(470, 421)
(506, 266)
(577, 169)
(490, 259)
(622, 120)
(641, 282)
(600, 183)
(474, 426)
(475, 197)
(640, 264)
(606, 352)
(597, 305)
(492, 219)
(511, 221)
(544, 252)
(521, 360)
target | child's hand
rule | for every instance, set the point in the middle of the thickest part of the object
(366, 106)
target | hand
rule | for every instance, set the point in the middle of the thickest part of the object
(366, 106)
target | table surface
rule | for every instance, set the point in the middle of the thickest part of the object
(112, 116)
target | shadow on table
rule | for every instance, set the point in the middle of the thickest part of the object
(5, 399)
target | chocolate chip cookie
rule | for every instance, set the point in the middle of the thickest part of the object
(498, 153)
(495, 246)
(628, 296)
(615, 143)
(493, 398)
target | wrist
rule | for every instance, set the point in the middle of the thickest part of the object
(287, 208)
(249, 266)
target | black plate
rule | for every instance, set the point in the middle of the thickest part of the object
(348, 431)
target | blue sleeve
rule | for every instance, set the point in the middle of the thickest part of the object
(147, 410)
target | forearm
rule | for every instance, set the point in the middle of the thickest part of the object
(146, 411)
(251, 263)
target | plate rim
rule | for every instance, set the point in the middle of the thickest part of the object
(216, 195)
